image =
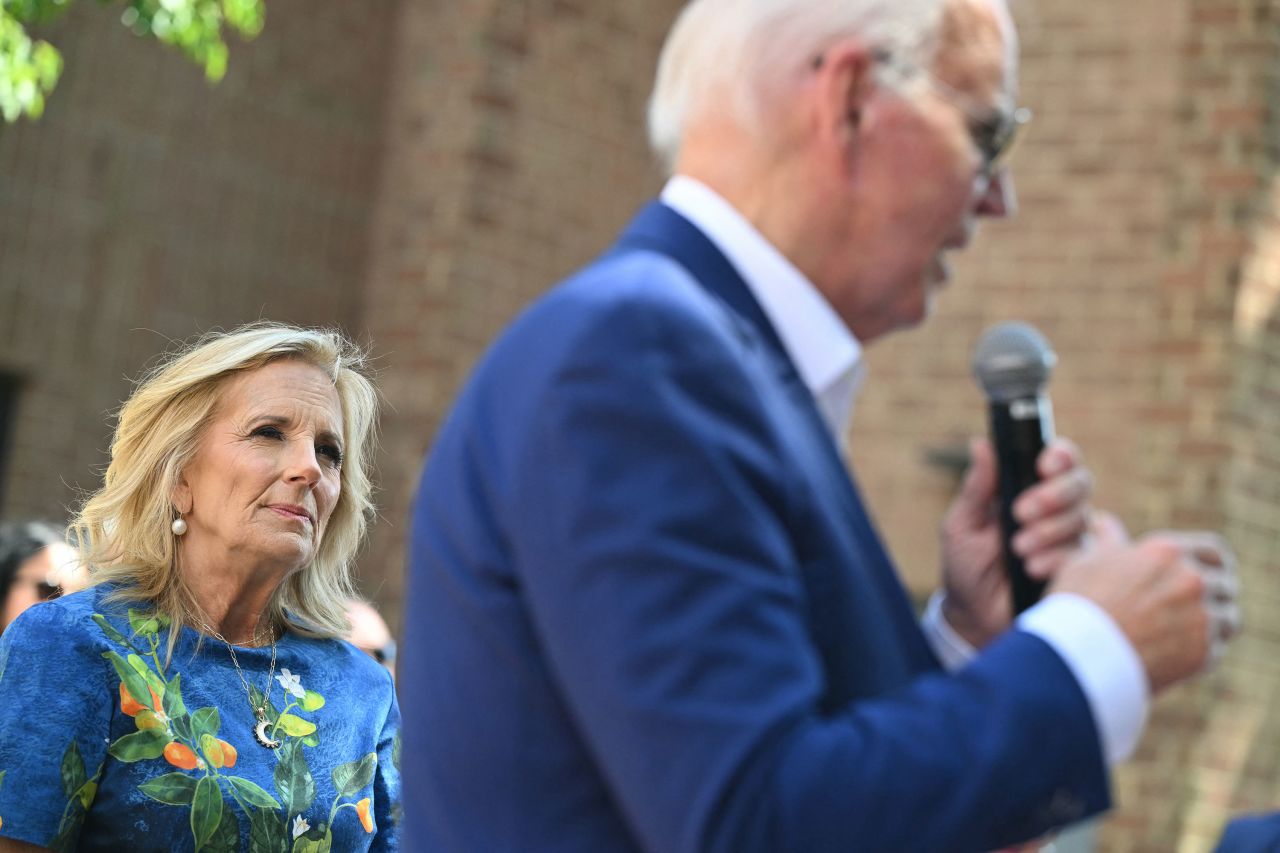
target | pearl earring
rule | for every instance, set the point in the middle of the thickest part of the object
(178, 527)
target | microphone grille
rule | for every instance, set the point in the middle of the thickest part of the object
(1012, 360)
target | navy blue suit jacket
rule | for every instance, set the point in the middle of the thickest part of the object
(1253, 834)
(647, 610)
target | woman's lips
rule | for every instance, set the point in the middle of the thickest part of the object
(294, 512)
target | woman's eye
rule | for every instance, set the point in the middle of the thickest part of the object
(268, 432)
(330, 452)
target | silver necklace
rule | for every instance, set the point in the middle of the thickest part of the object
(259, 711)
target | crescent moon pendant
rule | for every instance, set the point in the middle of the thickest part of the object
(260, 735)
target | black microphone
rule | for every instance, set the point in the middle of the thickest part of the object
(1012, 363)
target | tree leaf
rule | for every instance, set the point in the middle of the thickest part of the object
(206, 811)
(153, 681)
(140, 746)
(311, 701)
(252, 794)
(353, 777)
(134, 683)
(172, 698)
(295, 726)
(87, 792)
(206, 721)
(111, 632)
(293, 779)
(174, 789)
(2, 772)
(73, 775)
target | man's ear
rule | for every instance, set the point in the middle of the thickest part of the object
(844, 85)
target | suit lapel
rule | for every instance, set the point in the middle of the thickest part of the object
(660, 229)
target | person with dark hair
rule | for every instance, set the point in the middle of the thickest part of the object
(35, 564)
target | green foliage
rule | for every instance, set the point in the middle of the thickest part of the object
(29, 68)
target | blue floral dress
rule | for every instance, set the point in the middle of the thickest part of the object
(105, 746)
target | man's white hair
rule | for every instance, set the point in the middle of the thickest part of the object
(736, 53)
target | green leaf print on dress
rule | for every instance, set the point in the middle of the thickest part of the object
(201, 762)
(79, 790)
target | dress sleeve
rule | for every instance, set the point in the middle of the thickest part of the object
(386, 782)
(55, 719)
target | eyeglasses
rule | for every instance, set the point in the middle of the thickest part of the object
(994, 131)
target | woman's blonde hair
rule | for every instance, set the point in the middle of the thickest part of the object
(123, 529)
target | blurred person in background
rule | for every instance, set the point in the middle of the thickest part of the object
(36, 564)
(370, 634)
(199, 694)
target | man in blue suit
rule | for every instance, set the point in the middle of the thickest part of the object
(647, 608)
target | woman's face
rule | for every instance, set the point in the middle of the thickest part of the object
(37, 579)
(266, 474)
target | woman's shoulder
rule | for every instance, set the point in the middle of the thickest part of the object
(72, 612)
(83, 620)
(61, 635)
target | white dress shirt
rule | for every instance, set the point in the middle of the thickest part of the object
(829, 360)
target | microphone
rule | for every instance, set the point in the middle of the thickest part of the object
(1012, 363)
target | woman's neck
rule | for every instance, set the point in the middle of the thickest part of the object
(239, 613)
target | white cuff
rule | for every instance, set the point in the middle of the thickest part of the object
(952, 650)
(1103, 662)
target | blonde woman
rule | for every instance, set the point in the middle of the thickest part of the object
(198, 696)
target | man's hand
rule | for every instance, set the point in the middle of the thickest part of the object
(1054, 514)
(1173, 594)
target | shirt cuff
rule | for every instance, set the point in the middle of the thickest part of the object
(1103, 662)
(953, 651)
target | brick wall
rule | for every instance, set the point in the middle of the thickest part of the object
(1147, 249)
(146, 206)
(515, 153)
(420, 173)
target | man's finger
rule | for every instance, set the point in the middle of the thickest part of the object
(1061, 455)
(979, 487)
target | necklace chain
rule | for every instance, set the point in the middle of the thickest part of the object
(260, 711)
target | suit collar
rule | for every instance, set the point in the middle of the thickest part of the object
(821, 346)
(659, 228)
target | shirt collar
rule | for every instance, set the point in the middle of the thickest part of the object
(825, 353)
